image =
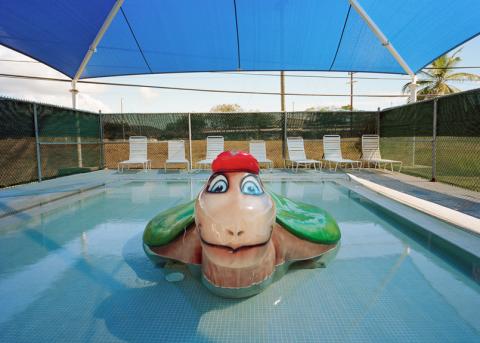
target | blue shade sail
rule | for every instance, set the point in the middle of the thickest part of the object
(423, 30)
(289, 35)
(57, 33)
(169, 36)
(361, 51)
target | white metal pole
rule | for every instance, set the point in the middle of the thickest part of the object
(98, 38)
(413, 90)
(74, 92)
(383, 39)
(81, 68)
(282, 91)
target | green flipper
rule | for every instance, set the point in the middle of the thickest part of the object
(306, 221)
(303, 220)
(167, 225)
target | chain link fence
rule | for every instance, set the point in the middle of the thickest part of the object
(312, 126)
(437, 139)
(41, 141)
(18, 161)
(238, 129)
(457, 141)
(406, 135)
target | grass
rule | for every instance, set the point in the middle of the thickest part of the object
(458, 158)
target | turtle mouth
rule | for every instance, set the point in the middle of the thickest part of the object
(235, 250)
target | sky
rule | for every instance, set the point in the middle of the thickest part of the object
(111, 98)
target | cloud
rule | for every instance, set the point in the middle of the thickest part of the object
(148, 93)
(51, 92)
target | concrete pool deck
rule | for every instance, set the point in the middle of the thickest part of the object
(15, 200)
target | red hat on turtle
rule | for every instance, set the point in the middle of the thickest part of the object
(235, 161)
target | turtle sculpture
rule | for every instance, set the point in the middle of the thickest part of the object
(239, 236)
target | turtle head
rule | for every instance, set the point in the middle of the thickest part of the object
(234, 219)
(234, 211)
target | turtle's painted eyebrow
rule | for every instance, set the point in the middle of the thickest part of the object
(214, 175)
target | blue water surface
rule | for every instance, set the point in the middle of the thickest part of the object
(79, 274)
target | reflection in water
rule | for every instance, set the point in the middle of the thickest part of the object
(80, 274)
(84, 243)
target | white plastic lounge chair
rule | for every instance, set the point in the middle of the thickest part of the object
(138, 153)
(176, 153)
(332, 153)
(296, 154)
(215, 146)
(371, 153)
(258, 150)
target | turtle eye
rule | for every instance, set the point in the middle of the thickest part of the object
(251, 186)
(219, 184)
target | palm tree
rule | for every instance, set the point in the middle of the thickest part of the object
(436, 81)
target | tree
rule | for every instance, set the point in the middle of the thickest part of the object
(436, 81)
(327, 108)
(226, 108)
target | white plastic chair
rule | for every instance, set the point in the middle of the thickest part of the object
(138, 153)
(332, 153)
(215, 146)
(258, 150)
(371, 153)
(296, 154)
(176, 154)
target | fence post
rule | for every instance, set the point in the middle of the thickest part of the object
(284, 136)
(414, 138)
(378, 121)
(37, 143)
(102, 145)
(190, 138)
(434, 142)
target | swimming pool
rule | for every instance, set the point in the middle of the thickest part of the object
(78, 273)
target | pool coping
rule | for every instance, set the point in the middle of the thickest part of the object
(462, 220)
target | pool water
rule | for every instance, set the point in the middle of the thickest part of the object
(79, 274)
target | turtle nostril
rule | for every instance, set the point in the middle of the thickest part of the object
(233, 233)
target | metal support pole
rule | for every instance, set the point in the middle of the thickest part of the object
(74, 92)
(434, 142)
(351, 91)
(37, 143)
(91, 49)
(282, 91)
(381, 37)
(190, 138)
(413, 90)
(102, 145)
